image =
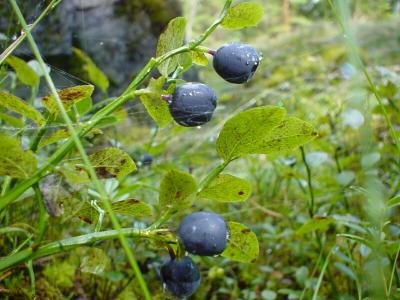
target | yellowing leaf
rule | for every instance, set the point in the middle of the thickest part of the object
(290, 134)
(14, 161)
(112, 162)
(13, 121)
(199, 58)
(241, 133)
(132, 207)
(227, 188)
(177, 189)
(244, 14)
(21, 107)
(242, 244)
(69, 97)
(262, 130)
(58, 135)
(63, 134)
(128, 207)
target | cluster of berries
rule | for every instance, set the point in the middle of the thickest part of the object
(202, 233)
(193, 104)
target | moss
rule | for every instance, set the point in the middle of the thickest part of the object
(60, 274)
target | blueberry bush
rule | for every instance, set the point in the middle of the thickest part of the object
(288, 194)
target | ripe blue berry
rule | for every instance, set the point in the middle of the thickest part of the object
(192, 104)
(236, 62)
(203, 233)
(146, 160)
(181, 277)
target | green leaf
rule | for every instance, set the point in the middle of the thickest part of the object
(85, 106)
(128, 207)
(389, 90)
(262, 130)
(185, 61)
(171, 39)
(241, 133)
(93, 73)
(132, 207)
(21, 107)
(56, 136)
(199, 58)
(393, 202)
(177, 189)
(227, 188)
(112, 162)
(13, 121)
(69, 97)
(24, 72)
(73, 175)
(245, 14)
(14, 161)
(154, 104)
(242, 244)
(321, 224)
(62, 134)
(290, 134)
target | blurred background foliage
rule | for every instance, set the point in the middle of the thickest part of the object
(353, 167)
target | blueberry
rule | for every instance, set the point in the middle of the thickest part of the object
(236, 62)
(192, 104)
(146, 160)
(203, 233)
(181, 277)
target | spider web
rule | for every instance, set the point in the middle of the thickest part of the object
(63, 79)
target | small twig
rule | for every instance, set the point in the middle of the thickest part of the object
(310, 186)
(42, 214)
(20, 39)
(266, 210)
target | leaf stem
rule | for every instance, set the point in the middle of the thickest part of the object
(309, 181)
(105, 111)
(42, 214)
(20, 39)
(81, 150)
(78, 241)
(321, 275)
(214, 173)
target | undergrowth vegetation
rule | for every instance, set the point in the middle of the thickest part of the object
(273, 177)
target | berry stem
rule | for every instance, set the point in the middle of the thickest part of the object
(206, 50)
(166, 97)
